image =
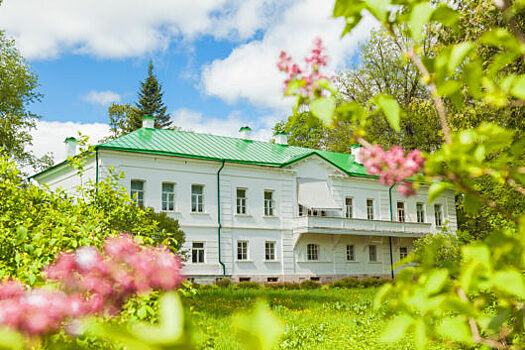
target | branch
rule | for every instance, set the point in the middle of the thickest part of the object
(440, 105)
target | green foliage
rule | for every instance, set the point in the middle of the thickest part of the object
(36, 224)
(247, 285)
(308, 284)
(224, 283)
(168, 230)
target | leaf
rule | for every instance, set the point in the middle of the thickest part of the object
(458, 54)
(471, 203)
(396, 328)
(419, 16)
(378, 8)
(518, 87)
(472, 73)
(445, 15)
(437, 189)
(420, 334)
(10, 340)
(293, 86)
(323, 108)
(510, 281)
(455, 329)
(390, 108)
(436, 281)
(258, 330)
(381, 293)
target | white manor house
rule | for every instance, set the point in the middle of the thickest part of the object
(264, 211)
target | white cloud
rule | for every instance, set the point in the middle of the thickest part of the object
(49, 136)
(123, 28)
(103, 98)
(189, 120)
(250, 72)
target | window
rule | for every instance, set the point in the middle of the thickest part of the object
(242, 250)
(245, 279)
(370, 209)
(168, 196)
(438, 213)
(403, 252)
(312, 252)
(315, 279)
(420, 211)
(241, 201)
(197, 252)
(268, 203)
(301, 210)
(197, 197)
(350, 252)
(272, 279)
(269, 251)
(349, 209)
(400, 211)
(137, 192)
(372, 253)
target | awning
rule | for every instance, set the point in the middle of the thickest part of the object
(314, 194)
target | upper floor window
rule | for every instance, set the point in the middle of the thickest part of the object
(137, 191)
(350, 254)
(269, 251)
(370, 209)
(438, 214)
(197, 198)
(168, 196)
(312, 252)
(242, 250)
(372, 253)
(401, 211)
(197, 252)
(268, 203)
(420, 211)
(403, 252)
(241, 201)
(349, 207)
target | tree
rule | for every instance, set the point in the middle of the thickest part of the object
(18, 89)
(150, 101)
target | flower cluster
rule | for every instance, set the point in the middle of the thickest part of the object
(392, 166)
(92, 282)
(310, 76)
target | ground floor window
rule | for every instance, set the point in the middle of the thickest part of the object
(312, 252)
(269, 250)
(372, 253)
(403, 252)
(244, 279)
(242, 250)
(272, 279)
(350, 256)
(197, 252)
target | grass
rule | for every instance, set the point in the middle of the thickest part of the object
(312, 319)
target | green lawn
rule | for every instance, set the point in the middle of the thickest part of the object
(312, 319)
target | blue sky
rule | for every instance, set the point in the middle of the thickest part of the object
(216, 59)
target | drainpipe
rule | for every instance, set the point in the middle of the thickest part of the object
(219, 217)
(96, 170)
(390, 237)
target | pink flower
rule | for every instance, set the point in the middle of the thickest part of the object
(406, 189)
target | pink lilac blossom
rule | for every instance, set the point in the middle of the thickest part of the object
(92, 283)
(392, 166)
(310, 76)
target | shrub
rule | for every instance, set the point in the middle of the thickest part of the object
(224, 283)
(308, 284)
(372, 282)
(349, 282)
(247, 285)
(284, 285)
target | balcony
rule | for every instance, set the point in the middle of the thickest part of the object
(347, 226)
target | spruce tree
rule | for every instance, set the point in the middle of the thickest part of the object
(150, 102)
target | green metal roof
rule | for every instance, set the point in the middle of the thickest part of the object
(237, 150)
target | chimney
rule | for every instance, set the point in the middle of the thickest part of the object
(148, 122)
(245, 132)
(71, 146)
(281, 138)
(356, 148)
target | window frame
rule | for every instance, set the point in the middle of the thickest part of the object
(370, 208)
(420, 214)
(241, 202)
(402, 254)
(374, 254)
(201, 252)
(269, 204)
(349, 207)
(242, 252)
(350, 252)
(267, 250)
(438, 215)
(196, 199)
(167, 193)
(139, 202)
(401, 213)
(312, 252)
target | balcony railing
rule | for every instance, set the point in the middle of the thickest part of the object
(340, 225)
